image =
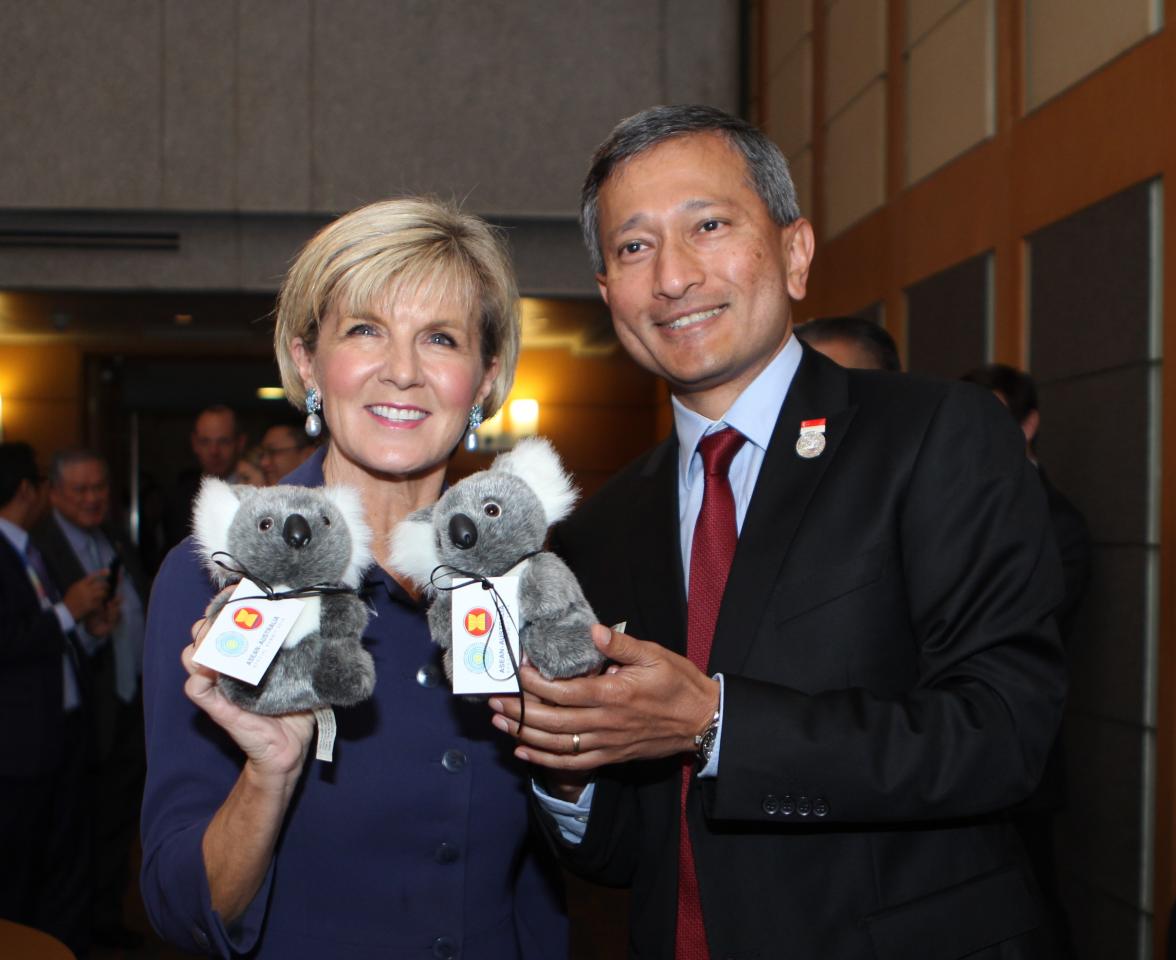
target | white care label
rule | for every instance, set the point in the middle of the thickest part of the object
(484, 622)
(247, 633)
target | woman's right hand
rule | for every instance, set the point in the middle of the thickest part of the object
(275, 748)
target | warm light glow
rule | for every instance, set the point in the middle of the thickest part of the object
(524, 418)
(1, 419)
(271, 393)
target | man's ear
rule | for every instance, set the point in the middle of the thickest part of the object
(1030, 425)
(602, 286)
(799, 245)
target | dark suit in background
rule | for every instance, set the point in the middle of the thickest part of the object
(893, 684)
(43, 861)
(116, 753)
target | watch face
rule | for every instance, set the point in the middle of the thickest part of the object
(707, 745)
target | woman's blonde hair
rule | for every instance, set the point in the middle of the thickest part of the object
(407, 247)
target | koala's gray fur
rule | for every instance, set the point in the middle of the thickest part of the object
(510, 506)
(294, 537)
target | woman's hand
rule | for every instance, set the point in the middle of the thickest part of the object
(275, 747)
(241, 837)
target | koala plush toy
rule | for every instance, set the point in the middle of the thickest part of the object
(298, 539)
(492, 523)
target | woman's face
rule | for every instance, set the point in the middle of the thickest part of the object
(397, 381)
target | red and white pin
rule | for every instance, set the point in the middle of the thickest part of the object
(811, 442)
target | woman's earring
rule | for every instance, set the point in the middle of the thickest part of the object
(474, 422)
(314, 403)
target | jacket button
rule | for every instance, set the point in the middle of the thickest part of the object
(444, 948)
(771, 805)
(787, 805)
(428, 676)
(446, 853)
(804, 806)
(454, 761)
(821, 807)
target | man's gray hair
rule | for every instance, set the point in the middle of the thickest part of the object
(68, 457)
(767, 170)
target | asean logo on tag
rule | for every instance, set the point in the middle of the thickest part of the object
(247, 618)
(478, 622)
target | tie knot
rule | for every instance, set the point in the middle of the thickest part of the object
(718, 449)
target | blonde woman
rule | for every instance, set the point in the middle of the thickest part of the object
(397, 328)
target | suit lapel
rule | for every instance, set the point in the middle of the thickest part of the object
(783, 490)
(657, 573)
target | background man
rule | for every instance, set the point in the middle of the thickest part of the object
(851, 342)
(77, 541)
(283, 447)
(43, 834)
(847, 610)
(1035, 819)
(217, 443)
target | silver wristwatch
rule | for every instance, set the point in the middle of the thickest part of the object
(704, 743)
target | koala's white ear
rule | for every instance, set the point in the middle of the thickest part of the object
(216, 505)
(536, 462)
(412, 548)
(348, 503)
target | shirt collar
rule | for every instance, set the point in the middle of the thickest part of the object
(17, 536)
(753, 413)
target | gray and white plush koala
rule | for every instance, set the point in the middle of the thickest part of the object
(492, 523)
(293, 538)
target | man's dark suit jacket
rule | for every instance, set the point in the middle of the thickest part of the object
(893, 682)
(31, 649)
(65, 568)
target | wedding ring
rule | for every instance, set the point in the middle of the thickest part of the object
(575, 743)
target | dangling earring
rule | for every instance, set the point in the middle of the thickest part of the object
(475, 421)
(314, 403)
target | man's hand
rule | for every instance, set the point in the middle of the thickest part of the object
(86, 596)
(649, 703)
(101, 622)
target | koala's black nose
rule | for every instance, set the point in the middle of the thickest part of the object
(296, 531)
(462, 531)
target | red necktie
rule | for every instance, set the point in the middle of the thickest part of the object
(715, 536)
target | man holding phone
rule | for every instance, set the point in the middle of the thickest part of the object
(78, 540)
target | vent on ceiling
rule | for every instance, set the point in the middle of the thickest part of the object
(91, 239)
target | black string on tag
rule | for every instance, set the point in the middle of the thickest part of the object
(502, 611)
(268, 592)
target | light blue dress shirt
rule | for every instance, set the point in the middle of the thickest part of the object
(95, 552)
(753, 414)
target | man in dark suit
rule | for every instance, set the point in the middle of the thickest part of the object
(879, 680)
(77, 539)
(42, 757)
(1035, 818)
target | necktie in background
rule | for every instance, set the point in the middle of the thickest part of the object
(711, 550)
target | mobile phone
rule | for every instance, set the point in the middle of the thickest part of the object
(112, 577)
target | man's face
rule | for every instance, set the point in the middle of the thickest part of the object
(216, 444)
(82, 493)
(281, 452)
(697, 275)
(846, 353)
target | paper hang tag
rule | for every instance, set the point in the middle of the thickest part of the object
(247, 633)
(484, 622)
(324, 718)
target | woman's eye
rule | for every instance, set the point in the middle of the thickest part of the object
(361, 330)
(443, 339)
(265, 524)
(491, 509)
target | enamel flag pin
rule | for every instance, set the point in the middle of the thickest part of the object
(811, 442)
